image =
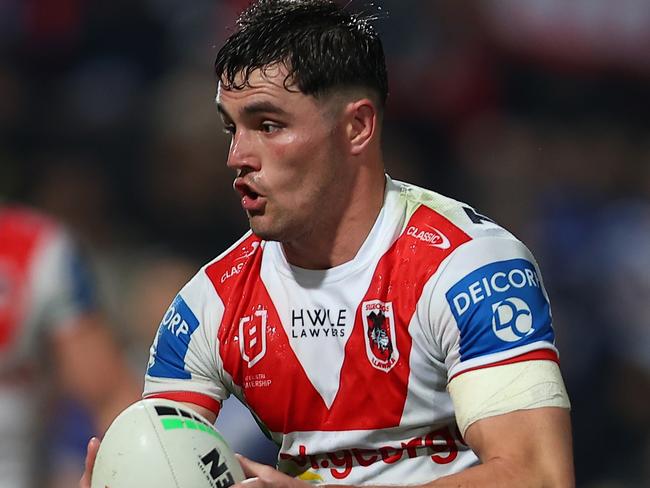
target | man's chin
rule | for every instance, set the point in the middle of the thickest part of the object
(263, 230)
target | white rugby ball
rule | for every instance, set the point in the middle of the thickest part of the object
(158, 443)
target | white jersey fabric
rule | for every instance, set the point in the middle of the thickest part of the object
(43, 287)
(347, 368)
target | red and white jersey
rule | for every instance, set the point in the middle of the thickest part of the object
(43, 284)
(347, 368)
(43, 287)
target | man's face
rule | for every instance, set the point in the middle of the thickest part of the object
(287, 150)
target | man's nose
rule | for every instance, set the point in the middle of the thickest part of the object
(241, 155)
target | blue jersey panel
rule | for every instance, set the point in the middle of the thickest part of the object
(170, 347)
(83, 292)
(498, 307)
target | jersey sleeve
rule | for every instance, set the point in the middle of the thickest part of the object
(489, 307)
(184, 364)
(61, 286)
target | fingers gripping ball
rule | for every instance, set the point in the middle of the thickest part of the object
(158, 443)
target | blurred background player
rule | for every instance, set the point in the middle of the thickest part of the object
(53, 340)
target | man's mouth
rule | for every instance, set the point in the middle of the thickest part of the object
(251, 200)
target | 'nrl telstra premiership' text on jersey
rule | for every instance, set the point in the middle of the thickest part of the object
(347, 368)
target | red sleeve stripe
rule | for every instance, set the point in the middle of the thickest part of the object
(190, 397)
(538, 355)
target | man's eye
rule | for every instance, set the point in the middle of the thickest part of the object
(229, 129)
(269, 127)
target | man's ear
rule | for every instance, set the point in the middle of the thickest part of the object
(362, 124)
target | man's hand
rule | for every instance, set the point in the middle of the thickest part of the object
(91, 455)
(263, 476)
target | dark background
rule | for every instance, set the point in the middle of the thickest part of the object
(535, 112)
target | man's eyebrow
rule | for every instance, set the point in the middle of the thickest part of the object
(263, 107)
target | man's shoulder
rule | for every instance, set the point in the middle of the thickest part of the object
(461, 215)
(223, 270)
(241, 248)
(20, 223)
(31, 240)
(219, 279)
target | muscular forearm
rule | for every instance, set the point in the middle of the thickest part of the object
(522, 448)
(496, 473)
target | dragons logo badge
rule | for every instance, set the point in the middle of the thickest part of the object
(379, 333)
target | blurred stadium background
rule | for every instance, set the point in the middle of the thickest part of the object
(534, 111)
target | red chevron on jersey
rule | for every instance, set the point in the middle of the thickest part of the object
(257, 353)
(347, 367)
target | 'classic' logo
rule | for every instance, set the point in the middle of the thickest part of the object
(430, 235)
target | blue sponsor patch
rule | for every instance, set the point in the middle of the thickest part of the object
(170, 346)
(498, 307)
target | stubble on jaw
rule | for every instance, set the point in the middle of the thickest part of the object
(295, 225)
(302, 223)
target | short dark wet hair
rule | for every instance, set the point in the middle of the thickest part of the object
(323, 46)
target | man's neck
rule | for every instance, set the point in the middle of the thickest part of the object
(348, 231)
